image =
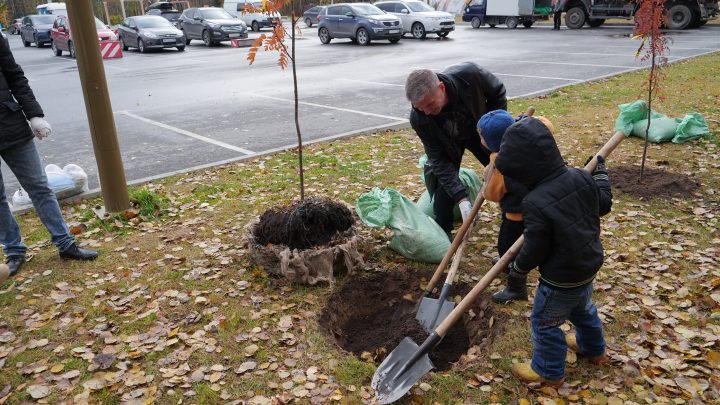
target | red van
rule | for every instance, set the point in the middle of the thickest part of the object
(61, 35)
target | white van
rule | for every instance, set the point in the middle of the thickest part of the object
(52, 8)
(257, 18)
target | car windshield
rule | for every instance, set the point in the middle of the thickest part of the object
(214, 14)
(418, 6)
(99, 24)
(43, 19)
(366, 9)
(153, 22)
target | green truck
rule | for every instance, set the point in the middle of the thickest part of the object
(681, 14)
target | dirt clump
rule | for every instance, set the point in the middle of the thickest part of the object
(656, 183)
(373, 313)
(304, 224)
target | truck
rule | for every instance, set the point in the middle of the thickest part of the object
(681, 14)
(508, 12)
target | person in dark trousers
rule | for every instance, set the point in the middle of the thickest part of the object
(557, 13)
(17, 150)
(562, 213)
(445, 109)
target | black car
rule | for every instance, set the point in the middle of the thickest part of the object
(36, 29)
(150, 32)
(211, 24)
(312, 15)
(171, 15)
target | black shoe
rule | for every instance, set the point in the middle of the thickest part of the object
(494, 260)
(516, 290)
(14, 263)
(75, 253)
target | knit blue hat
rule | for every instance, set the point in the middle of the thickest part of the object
(492, 127)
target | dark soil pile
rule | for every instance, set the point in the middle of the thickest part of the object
(370, 314)
(304, 224)
(655, 184)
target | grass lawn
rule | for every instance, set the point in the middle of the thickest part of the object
(174, 311)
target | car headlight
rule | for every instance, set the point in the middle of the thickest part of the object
(211, 25)
(374, 21)
(149, 34)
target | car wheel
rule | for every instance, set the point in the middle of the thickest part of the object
(679, 17)
(187, 38)
(394, 40)
(362, 36)
(181, 48)
(575, 18)
(206, 38)
(141, 46)
(511, 22)
(596, 22)
(25, 43)
(255, 26)
(528, 23)
(324, 35)
(71, 49)
(475, 22)
(443, 34)
(418, 31)
(57, 51)
(308, 22)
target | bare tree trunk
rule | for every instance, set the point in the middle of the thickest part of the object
(293, 22)
(650, 98)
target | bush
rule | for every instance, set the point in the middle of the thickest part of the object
(116, 19)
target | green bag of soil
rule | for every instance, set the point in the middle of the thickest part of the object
(416, 235)
(691, 127)
(471, 180)
(662, 129)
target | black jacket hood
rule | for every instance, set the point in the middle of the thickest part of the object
(528, 153)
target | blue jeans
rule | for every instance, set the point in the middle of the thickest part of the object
(24, 162)
(550, 310)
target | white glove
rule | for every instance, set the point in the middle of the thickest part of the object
(40, 127)
(465, 208)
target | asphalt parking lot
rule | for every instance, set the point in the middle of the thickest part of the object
(176, 111)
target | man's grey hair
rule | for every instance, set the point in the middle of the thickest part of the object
(420, 83)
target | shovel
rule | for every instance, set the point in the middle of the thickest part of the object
(432, 311)
(405, 365)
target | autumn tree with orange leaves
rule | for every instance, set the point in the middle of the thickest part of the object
(276, 42)
(649, 18)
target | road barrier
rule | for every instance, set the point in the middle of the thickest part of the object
(111, 49)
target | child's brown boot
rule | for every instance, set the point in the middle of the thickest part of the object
(525, 372)
(572, 345)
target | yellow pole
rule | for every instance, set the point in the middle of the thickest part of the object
(97, 105)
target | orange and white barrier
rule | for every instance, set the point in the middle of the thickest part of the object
(111, 49)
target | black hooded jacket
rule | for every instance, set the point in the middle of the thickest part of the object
(561, 211)
(17, 101)
(473, 91)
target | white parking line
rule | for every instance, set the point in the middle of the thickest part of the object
(332, 108)
(537, 77)
(187, 133)
(553, 63)
(370, 82)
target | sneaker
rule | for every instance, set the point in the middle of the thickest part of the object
(14, 263)
(572, 345)
(75, 253)
(525, 372)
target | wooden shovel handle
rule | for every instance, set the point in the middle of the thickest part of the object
(461, 233)
(504, 261)
(458, 256)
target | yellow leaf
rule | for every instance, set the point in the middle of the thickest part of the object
(57, 368)
(714, 359)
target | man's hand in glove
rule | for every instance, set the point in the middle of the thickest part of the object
(465, 208)
(40, 127)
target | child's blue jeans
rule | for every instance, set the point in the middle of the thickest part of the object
(550, 310)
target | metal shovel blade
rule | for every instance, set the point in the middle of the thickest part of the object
(432, 312)
(398, 373)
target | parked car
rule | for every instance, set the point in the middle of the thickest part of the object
(171, 15)
(418, 18)
(361, 22)
(62, 40)
(252, 13)
(312, 15)
(150, 32)
(14, 28)
(211, 24)
(36, 29)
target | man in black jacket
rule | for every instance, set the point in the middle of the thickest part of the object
(17, 150)
(446, 107)
(562, 237)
